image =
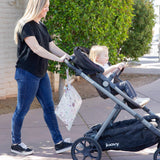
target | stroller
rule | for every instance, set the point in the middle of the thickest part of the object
(127, 135)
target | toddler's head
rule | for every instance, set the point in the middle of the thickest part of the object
(99, 54)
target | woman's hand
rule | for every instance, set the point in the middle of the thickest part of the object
(66, 56)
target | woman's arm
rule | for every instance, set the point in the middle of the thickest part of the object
(42, 52)
(56, 50)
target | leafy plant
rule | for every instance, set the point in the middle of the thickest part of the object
(140, 34)
(89, 22)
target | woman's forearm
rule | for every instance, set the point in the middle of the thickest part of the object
(39, 50)
(56, 50)
(45, 54)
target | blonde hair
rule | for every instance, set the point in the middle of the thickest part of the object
(96, 51)
(33, 9)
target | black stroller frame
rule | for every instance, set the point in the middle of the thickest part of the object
(89, 147)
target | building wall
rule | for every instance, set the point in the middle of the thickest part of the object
(10, 12)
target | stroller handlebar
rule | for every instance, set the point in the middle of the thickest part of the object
(67, 62)
(113, 74)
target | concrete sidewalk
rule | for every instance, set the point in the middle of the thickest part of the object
(93, 111)
(148, 64)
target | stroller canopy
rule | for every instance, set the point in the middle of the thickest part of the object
(82, 62)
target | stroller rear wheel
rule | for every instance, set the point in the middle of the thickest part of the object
(157, 154)
(86, 148)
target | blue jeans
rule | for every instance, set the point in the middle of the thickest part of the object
(30, 86)
(127, 88)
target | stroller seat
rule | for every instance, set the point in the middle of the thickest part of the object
(95, 72)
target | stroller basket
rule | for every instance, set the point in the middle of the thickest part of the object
(127, 135)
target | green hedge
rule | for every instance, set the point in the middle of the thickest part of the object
(89, 22)
(140, 34)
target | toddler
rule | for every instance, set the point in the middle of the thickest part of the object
(99, 55)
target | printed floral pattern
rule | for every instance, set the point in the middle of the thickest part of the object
(69, 106)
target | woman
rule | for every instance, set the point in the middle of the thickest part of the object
(34, 49)
(99, 55)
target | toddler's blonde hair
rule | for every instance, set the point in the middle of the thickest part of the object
(96, 51)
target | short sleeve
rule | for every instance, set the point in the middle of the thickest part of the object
(27, 31)
(50, 39)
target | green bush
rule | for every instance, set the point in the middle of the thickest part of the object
(140, 34)
(89, 22)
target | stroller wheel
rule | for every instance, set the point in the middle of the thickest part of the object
(157, 154)
(86, 148)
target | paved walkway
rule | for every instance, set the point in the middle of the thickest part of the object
(93, 111)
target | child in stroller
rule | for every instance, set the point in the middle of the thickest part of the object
(99, 55)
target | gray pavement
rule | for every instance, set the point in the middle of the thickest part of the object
(93, 111)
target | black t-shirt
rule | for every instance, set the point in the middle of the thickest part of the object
(27, 59)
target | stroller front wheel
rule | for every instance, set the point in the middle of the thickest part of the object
(84, 148)
(157, 154)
